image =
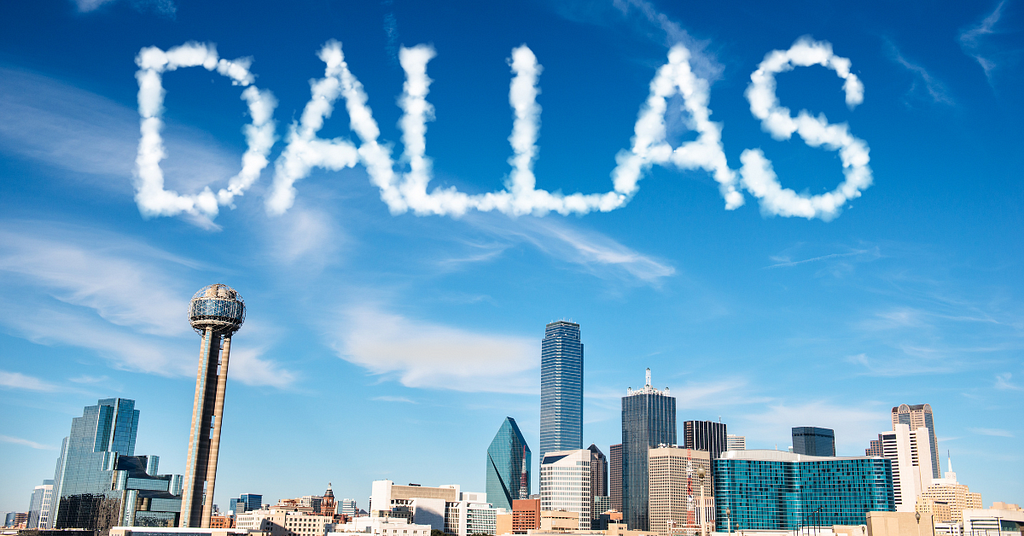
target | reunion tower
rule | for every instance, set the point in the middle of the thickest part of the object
(215, 312)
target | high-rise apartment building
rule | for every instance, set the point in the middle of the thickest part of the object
(814, 441)
(774, 490)
(598, 478)
(911, 458)
(615, 477)
(709, 436)
(508, 466)
(39, 506)
(648, 420)
(681, 498)
(565, 484)
(83, 495)
(735, 442)
(919, 416)
(561, 388)
(216, 312)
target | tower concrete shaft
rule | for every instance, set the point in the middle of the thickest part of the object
(204, 440)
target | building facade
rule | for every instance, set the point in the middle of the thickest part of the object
(146, 498)
(948, 498)
(83, 496)
(422, 505)
(919, 416)
(774, 490)
(735, 442)
(709, 436)
(814, 441)
(565, 484)
(40, 505)
(648, 420)
(561, 388)
(598, 479)
(681, 499)
(909, 452)
(245, 503)
(508, 466)
(615, 476)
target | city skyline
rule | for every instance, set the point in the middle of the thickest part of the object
(361, 311)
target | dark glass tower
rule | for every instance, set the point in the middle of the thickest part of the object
(615, 476)
(82, 493)
(508, 466)
(561, 388)
(708, 436)
(814, 441)
(598, 478)
(648, 420)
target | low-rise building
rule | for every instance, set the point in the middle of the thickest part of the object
(1003, 519)
(378, 526)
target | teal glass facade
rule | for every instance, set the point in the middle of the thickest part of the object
(508, 466)
(772, 494)
(83, 494)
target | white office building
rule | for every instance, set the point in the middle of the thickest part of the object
(378, 526)
(565, 483)
(735, 442)
(910, 453)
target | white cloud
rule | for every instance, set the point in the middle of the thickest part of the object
(785, 261)
(150, 193)
(403, 191)
(247, 367)
(427, 355)
(704, 64)
(26, 442)
(973, 43)
(759, 178)
(401, 399)
(163, 7)
(17, 380)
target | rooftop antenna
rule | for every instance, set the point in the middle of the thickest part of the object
(648, 376)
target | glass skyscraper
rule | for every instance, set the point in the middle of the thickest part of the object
(648, 420)
(561, 388)
(814, 441)
(508, 466)
(83, 494)
(774, 490)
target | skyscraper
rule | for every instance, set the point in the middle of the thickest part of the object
(615, 476)
(908, 450)
(917, 416)
(814, 441)
(83, 497)
(565, 484)
(681, 500)
(508, 466)
(215, 312)
(709, 436)
(598, 478)
(648, 420)
(39, 506)
(561, 388)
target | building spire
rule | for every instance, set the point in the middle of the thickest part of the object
(648, 384)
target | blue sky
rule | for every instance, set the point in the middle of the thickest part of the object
(391, 329)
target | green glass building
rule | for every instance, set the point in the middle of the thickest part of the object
(508, 466)
(773, 490)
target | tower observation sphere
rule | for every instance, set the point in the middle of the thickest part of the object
(217, 306)
(215, 312)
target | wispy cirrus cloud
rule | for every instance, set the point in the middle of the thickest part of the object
(388, 398)
(17, 380)
(854, 426)
(936, 91)
(1003, 383)
(592, 252)
(424, 354)
(25, 442)
(977, 41)
(110, 294)
(994, 432)
(166, 8)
